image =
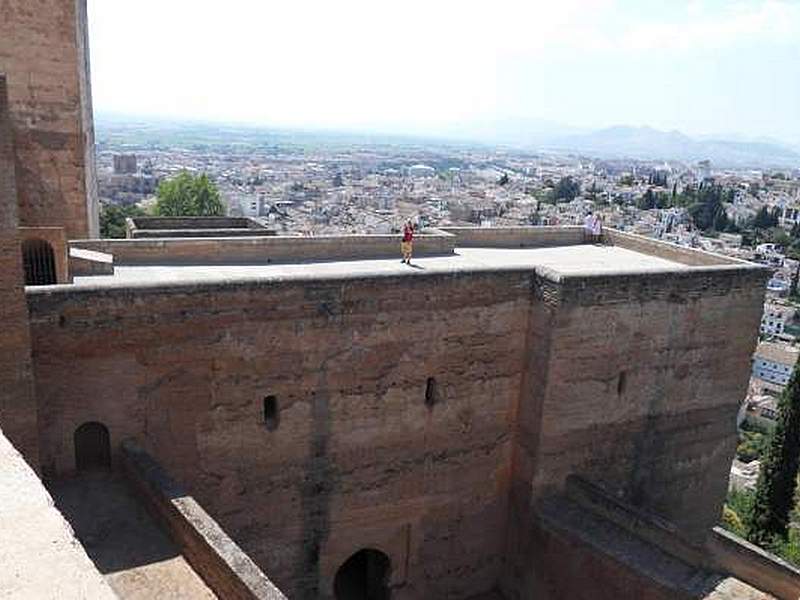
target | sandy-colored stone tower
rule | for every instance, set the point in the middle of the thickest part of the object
(45, 56)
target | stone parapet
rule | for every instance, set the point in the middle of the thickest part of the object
(213, 555)
(680, 254)
(516, 237)
(754, 565)
(188, 227)
(269, 249)
(84, 263)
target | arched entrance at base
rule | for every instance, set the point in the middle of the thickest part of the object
(364, 576)
(92, 447)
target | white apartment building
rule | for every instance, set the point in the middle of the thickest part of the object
(790, 216)
(774, 362)
(774, 319)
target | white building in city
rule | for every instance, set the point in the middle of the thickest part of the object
(790, 216)
(774, 362)
(421, 171)
(774, 319)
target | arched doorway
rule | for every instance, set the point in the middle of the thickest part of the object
(39, 262)
(92, 447)
(364, 576)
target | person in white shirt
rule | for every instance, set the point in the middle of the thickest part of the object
(588, 227)
(597, 229)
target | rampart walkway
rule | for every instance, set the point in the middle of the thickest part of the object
(562, 259)
(137, 559)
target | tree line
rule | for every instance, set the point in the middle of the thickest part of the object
(184, 195)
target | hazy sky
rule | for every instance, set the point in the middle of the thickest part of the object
(714, 66)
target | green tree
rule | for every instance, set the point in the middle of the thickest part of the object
(706, 205)
(777, 480)
(567, 189)
(593, 191)
(737, 510)
(765, 218)
(187, 195)
(112, 219)
(793, 252)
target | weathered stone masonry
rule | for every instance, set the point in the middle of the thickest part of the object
(637, 390)
(358, 458)
(44, 53)
(631, 381)
(17, 403)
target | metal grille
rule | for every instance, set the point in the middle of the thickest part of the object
(39, 262)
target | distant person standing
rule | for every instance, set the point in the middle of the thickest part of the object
(407, 245)
(588, 228)
(597, 229)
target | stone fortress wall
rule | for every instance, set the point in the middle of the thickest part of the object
(358, 459)
(436, 417)
(631, 381)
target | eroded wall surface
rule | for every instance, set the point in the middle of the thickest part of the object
(635, 387)
(358, 459)
(631, 382)
(44, 53)
(645, 377)
(17, 402)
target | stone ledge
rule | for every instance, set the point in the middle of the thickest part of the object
(754, 565)
(516, 237)
(687, 256)
(263, 250)
(227, 570)
(90, 262)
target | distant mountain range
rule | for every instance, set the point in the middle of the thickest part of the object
(529, 134)
(634, 142)
(646, 142)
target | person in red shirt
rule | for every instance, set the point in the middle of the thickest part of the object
(406, 246)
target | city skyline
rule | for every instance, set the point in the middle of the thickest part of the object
(713, 68)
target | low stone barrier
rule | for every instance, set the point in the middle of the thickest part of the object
(757, 567)
(686, 256)
(227, 570)
(516, 237)
(721, 551)
(649, 527)
(264, 250)
(168, 227)
(89, 262)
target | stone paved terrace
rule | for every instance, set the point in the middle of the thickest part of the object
(39, 555)
(560, 260)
